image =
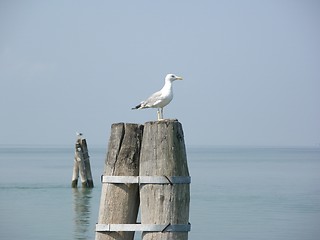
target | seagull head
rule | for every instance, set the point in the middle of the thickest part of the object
(172, 77)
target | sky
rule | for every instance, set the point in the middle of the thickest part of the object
(250, 68)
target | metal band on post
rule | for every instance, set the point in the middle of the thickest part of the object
(146, 179)
(143, 227)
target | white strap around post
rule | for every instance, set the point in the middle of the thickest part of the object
(147, 179)
(143, 227)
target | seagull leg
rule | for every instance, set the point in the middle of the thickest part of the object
(160, 118)
(160, 114)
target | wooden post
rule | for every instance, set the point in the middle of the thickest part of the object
(75, 174)
(86, 161)
(82, 169)
(119, 203)
(163, 154)
(82, 165)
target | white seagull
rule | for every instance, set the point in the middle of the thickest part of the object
(161, 98)
(79, 135)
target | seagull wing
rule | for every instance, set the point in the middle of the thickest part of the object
(153, 100)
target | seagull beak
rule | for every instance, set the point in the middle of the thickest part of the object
(179, 78)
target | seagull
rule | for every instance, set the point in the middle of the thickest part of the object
(161, 98)
(79, 135)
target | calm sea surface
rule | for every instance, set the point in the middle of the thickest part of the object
(236, 193)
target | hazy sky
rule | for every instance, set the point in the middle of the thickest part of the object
(251, 69)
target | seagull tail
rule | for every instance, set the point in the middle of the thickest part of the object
(136, 107)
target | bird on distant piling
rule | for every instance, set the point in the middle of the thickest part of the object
(161, 98)
(79, 135)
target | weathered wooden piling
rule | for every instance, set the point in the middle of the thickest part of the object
(160, 175)
(75, 174)
(82, 165)
(119, 203)
(163, 153)
(85, 154)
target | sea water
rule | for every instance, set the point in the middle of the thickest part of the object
(236, 193)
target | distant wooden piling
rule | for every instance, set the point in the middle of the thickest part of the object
(87, 166)
(163, 153)
(75, 174)
(119, 203)
(82, 165)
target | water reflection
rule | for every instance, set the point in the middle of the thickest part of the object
(81, 208)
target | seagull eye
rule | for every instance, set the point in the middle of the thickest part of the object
(172, 76)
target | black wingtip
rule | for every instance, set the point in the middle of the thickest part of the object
(136, 107)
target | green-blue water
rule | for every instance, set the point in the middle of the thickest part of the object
(236, 193)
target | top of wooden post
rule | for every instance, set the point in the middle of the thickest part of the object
(163, 149)
(163, 121)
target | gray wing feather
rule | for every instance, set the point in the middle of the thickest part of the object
(153, 99)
